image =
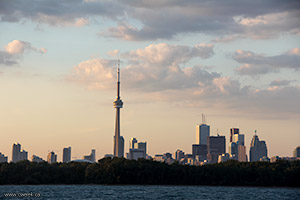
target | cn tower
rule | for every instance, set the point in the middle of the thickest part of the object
(118, 103)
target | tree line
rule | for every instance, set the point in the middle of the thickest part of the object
(123, 171)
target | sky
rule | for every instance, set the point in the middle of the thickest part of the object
(236, 62)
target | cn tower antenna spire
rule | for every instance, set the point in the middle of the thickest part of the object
(118, 80)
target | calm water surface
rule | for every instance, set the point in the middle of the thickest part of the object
(75, 192)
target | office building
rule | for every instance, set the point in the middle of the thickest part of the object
(237, 148)
(118, 104)
(215, 147)
(66, 155)
(233, 131)
(297, 152)
(258, 149)
(135, 154)
(239, 139)
(17, 154)
(137, 149)
(202, 132)
(199, 151)
(233, 148)
(51, 158)
(37, 159)
(3, 158)
(242, 157)
(132, 143)
(91, 157)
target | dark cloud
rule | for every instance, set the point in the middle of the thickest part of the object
(57, 12)
(256, 64)
(165, 18)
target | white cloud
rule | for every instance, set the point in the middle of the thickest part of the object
(156, 72)
(15, 49)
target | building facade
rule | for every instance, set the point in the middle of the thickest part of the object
(66, 155)
(91, 157)
(296, 152)
(17, 154)
(202, 132)
(258, 149)
(215, 147)
(3, 158)
(52, 157)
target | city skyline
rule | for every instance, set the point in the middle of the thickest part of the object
(238, 63)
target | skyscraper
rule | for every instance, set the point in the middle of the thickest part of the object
(137, 149)
(179, 154)
(233, 131)
(258, 149)
(132, 143)
(67, 154)
(118, 104)
(52, 157)
(17, 154)
(296, 152)
(215, 147)
(202, 132)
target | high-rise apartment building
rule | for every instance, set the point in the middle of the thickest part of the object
(215, 147)
(179, 154)
(66, 155)
(17, 154)
(258, 149)
(3, 158)
(52, 157)
(297, 152)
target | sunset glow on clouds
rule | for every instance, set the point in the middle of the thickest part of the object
(236, 61)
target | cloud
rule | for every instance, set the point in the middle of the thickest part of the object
(255, 64)
(58, 12)
(155, 67)
(226, 21)
(279, 83)
(15, 49)
(164, 19)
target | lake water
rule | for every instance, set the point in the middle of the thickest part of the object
(75, 192)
